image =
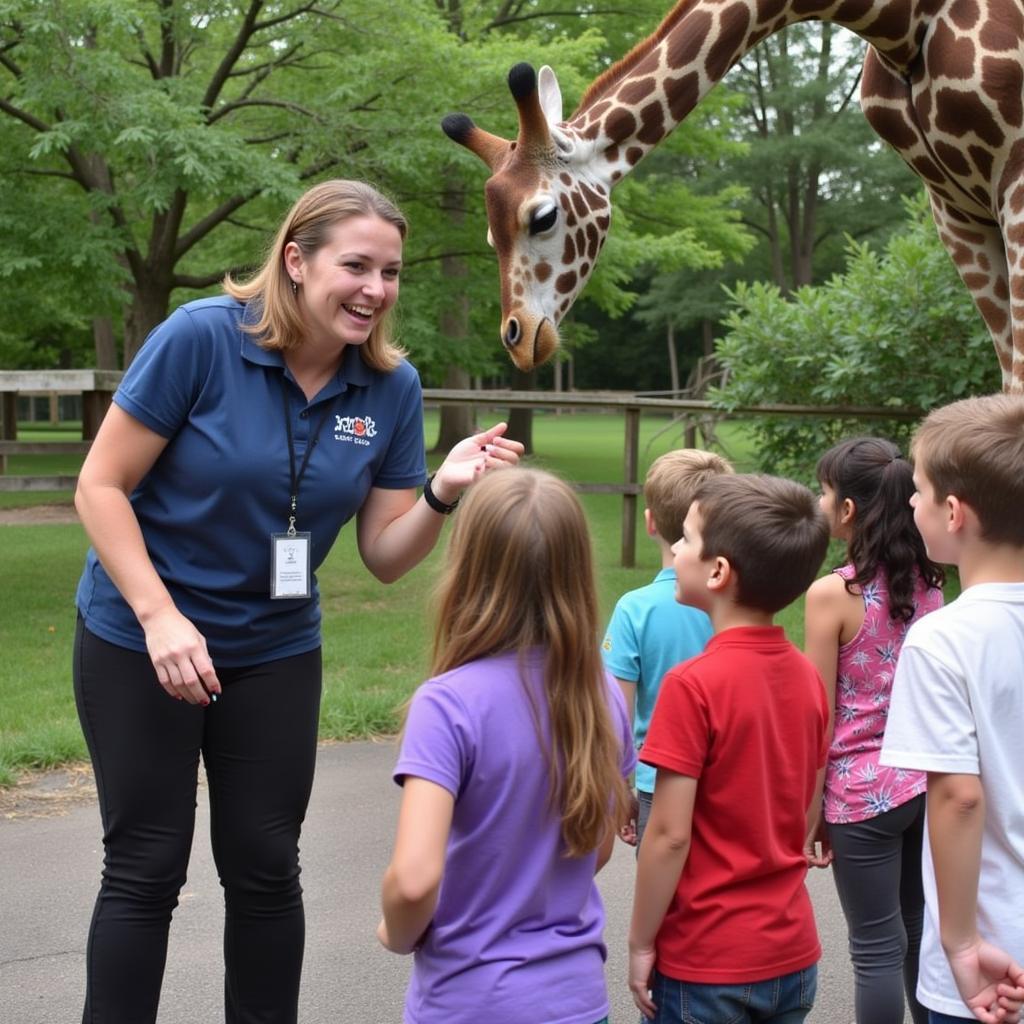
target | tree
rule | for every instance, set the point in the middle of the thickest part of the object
(896, 323)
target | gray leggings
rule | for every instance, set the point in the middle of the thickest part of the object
(877, 869)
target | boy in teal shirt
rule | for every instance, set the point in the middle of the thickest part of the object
(650, 631)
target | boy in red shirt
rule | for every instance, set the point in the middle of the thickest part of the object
(723, 927)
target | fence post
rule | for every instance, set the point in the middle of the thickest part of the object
(631, 461)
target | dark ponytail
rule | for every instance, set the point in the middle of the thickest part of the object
(871, 472)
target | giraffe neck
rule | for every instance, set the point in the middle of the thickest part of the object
(629, 109)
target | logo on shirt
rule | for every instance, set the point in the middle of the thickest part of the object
(354, 429)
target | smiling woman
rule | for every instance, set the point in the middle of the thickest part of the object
(249, 429)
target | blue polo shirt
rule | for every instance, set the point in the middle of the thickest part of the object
(221, 487)
(649, 633)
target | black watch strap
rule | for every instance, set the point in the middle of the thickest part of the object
(435, 502)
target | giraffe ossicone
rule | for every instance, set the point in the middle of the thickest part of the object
(943, 84)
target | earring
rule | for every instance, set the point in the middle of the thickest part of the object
(295, 288)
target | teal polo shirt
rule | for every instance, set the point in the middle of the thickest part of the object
(649, 633)
(221, 487)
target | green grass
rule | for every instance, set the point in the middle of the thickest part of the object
(376, 637)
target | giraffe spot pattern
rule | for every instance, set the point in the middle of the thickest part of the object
(732, 28)
(992, 314)
(619, 124)
(892, 126)
(633, 155)
(982, 160)
(683, 47)
(565, 282)
(952, 158)
(893, 21)
(569, 252)
(1003, 81)
(542, 271)
(959, 111)
(953, 53)
(1004, 28)
(769, 9)
(636, 90)
(592, 199)
(683, 94)
(592, 242)
(965, 14)
(652, 121)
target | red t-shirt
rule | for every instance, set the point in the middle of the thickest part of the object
(747, 719)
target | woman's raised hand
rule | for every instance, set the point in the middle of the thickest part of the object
(471, 458)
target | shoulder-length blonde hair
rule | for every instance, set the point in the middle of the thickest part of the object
(278, 323)
(519, 574)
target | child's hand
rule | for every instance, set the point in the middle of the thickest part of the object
(627, 831)
(641, 967)
(817, 848)
(990, 982)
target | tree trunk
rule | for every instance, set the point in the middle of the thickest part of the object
(707, 334)
(457, 421)
(105, 343)
(673, 359)
(150, 302)
(520, 418)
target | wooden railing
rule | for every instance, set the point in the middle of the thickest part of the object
(99, 385)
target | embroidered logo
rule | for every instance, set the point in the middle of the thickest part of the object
(354, 429)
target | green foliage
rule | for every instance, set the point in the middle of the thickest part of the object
(896, 328)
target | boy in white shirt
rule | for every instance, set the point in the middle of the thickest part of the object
(957, 710)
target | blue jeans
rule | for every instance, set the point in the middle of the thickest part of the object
(934, 1017)
(785, 1000)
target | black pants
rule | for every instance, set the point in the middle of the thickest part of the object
(877, 870)
(258, 744)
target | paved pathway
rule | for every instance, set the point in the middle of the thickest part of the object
(49, 868)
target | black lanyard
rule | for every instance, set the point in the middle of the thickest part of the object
(296, 479)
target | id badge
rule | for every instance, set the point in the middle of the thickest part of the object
(289, 565)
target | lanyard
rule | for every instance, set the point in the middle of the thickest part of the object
(296, 478)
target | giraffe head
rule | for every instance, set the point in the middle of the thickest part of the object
(547, 213)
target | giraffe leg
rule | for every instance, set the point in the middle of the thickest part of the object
(980, 256)
(1013, 233)
(974, 242)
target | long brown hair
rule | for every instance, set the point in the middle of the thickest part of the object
(520, 574)
(278, 323)
(872, 473)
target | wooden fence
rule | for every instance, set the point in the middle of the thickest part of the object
(97, 387)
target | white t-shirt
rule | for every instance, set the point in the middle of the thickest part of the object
(958, 707)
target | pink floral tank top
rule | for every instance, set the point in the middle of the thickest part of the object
(857, 787)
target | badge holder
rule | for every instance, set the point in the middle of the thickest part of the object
(289, 564)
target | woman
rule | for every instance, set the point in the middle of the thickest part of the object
(247, 431)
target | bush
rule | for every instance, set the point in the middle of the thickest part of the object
(895, 329)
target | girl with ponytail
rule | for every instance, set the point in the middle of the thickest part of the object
(513, 767)
(856, 619)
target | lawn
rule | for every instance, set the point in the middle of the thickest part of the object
(376, 637)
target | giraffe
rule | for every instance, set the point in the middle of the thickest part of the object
(943, 84)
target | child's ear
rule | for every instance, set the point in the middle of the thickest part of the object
(847, 511)
(721, 574)
(958, 514)
(652, 530)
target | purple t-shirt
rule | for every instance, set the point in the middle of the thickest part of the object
(517, 935)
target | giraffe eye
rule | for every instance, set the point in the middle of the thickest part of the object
(543, 218)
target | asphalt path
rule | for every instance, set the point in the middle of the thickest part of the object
(49, 871)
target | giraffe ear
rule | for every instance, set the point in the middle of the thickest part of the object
(550, 96)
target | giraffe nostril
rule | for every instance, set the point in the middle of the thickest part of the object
(512, 334)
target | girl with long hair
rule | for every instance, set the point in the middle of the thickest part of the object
(856, 619)
(513, 766)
